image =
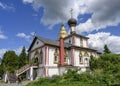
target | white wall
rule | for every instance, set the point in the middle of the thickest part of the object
(51, 56)
(68, 39)
(84, 43)
(77, 41)
(40, 72)
(53, 71)
(76, 59)
(56, 71)
(37, 45)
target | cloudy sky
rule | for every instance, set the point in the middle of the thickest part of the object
(97, 19)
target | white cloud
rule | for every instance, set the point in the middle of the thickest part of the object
(27, 1)
(27, 38)
(23, 35)
(17, 51)
(104, 12)
(98, 40)
(6, 7)
(2, 51)
(55, 11)
(2, 36)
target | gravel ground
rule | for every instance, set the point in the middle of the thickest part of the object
(24, 83)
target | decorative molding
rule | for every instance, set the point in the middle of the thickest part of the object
(66, 53)
(86, 53)
(56, 56)
(36, 49)
(80, 54)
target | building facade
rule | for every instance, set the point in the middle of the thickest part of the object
(55, 57)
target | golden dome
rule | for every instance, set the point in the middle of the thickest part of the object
(63, 32)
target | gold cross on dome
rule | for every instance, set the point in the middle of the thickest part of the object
(71, 11)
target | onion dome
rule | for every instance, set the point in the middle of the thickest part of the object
(72, 22)
(63, 32)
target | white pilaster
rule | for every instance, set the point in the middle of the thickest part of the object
(31, 73)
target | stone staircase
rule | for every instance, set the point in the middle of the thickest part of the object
(25, 68)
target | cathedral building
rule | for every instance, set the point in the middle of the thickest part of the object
(50, 57)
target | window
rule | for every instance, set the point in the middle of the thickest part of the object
(37, 42)
(56, 56)
(56, 59)
(86, 59)
(69, 41)
(35, 58)
(80, 58)
(66, 57)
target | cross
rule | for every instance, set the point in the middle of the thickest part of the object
(34, 35)
(71, 11)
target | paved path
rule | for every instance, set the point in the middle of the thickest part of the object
(15, 84)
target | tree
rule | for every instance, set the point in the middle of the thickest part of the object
(1, 69)
(106, 49)
(0, 61)
(106, 69)
(9, 61)
(23, 57)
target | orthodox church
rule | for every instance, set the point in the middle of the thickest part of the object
(50, 57)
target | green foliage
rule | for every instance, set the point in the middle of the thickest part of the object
(10, 61)
(107, 69)
(1, 71)
(106, 50)
(23, 58)
(71, 75)
(105, 72)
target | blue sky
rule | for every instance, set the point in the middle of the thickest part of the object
(19, 19)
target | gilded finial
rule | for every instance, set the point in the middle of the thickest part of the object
(63, 32)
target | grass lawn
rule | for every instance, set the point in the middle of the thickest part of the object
(47, 82)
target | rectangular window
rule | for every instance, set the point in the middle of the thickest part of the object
(81, 60)
(66, 60)
(55, 59)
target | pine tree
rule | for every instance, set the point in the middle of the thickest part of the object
(106, 49)
(9, 61)
(23, 58)
(0, 60)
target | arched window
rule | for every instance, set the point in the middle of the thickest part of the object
(56, 54)
(35, 58)
(66, 57)
(80, 58)
(41, 57)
